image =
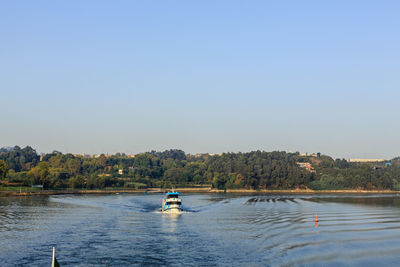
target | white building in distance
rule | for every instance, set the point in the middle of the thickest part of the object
(366, 160)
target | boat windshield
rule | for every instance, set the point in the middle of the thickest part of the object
(174, 203)
(173, 196)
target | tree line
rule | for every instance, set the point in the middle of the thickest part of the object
(175, 168)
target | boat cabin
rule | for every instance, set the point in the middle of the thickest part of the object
(173, 195)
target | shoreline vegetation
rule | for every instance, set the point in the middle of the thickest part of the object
(25, 172)
(193, 190)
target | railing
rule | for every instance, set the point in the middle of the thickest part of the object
(173, 199)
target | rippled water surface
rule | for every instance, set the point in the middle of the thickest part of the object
(222, 230)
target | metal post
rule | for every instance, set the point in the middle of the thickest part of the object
(54, 256)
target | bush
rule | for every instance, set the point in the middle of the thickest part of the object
(328, 182)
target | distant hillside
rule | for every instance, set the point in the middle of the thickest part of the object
(175, 168)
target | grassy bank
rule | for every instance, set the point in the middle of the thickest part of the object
(71, 191)
(306, 191)
(29, 191)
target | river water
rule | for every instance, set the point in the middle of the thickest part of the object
(215, 230)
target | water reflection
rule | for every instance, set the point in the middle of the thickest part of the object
(169, 222)
(391, 200)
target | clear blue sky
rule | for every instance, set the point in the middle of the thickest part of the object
(202, 76)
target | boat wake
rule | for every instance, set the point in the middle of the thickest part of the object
(173, 213)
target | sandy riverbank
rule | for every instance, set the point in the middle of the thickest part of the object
(195, 190)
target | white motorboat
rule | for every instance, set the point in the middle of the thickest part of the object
(171, 203)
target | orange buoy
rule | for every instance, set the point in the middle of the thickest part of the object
(316, 218)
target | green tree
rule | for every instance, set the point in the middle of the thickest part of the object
(3, 169)
(77, 182)
(73, 165)
(40, 175)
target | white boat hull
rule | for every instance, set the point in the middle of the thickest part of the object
(173, 210)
